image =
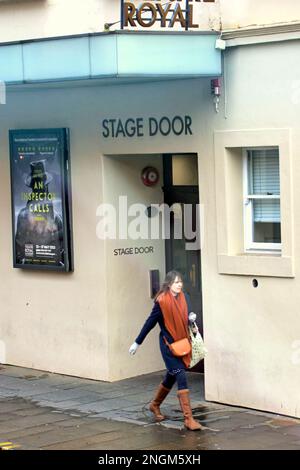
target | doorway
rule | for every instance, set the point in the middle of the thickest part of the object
(181, 188)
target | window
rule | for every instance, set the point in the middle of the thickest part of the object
(262, 217)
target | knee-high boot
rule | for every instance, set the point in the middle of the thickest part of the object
(161, 394)
(189, 421)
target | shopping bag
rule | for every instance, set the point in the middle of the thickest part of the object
(199, 350)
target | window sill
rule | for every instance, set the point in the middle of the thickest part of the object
(256, 264)
(277, 253)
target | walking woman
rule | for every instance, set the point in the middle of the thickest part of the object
(170, 311)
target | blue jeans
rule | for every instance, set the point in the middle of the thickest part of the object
(175, 375)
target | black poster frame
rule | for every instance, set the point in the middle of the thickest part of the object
(63, 137)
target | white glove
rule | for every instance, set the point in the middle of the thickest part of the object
(133, 348)
(192, 317)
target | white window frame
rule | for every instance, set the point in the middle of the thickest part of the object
(249, 244)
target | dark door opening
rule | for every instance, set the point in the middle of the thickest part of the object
(180, 188)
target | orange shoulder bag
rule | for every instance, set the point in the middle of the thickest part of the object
(179, 348)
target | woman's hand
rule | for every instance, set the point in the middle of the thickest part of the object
(133, 348)
(192, 317)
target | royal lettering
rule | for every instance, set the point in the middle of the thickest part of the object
(164, 14)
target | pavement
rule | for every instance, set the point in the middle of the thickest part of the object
(41, 410)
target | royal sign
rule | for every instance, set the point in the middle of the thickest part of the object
(166, 14)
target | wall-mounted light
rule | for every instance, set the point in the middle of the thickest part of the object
(107, 26)
(216, 92)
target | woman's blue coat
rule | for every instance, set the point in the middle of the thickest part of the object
(156, 316)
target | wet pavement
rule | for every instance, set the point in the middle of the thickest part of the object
(47, 411)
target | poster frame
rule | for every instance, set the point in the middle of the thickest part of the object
(66, 195)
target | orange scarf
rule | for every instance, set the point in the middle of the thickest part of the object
(175, 313)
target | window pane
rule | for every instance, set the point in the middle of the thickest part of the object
(266, 221)
(266, 210)
(267, 232)
(263, 168)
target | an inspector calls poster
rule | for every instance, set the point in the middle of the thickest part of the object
(40, 199)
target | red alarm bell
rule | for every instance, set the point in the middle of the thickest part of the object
(150, 176)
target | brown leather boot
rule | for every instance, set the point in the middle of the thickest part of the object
(161, 394)
(189, 421)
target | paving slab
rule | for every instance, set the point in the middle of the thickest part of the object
(64, 395)
(29, 421)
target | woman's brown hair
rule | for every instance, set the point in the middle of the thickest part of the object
(169, 280)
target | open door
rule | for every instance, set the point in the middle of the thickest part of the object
(184, 169)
